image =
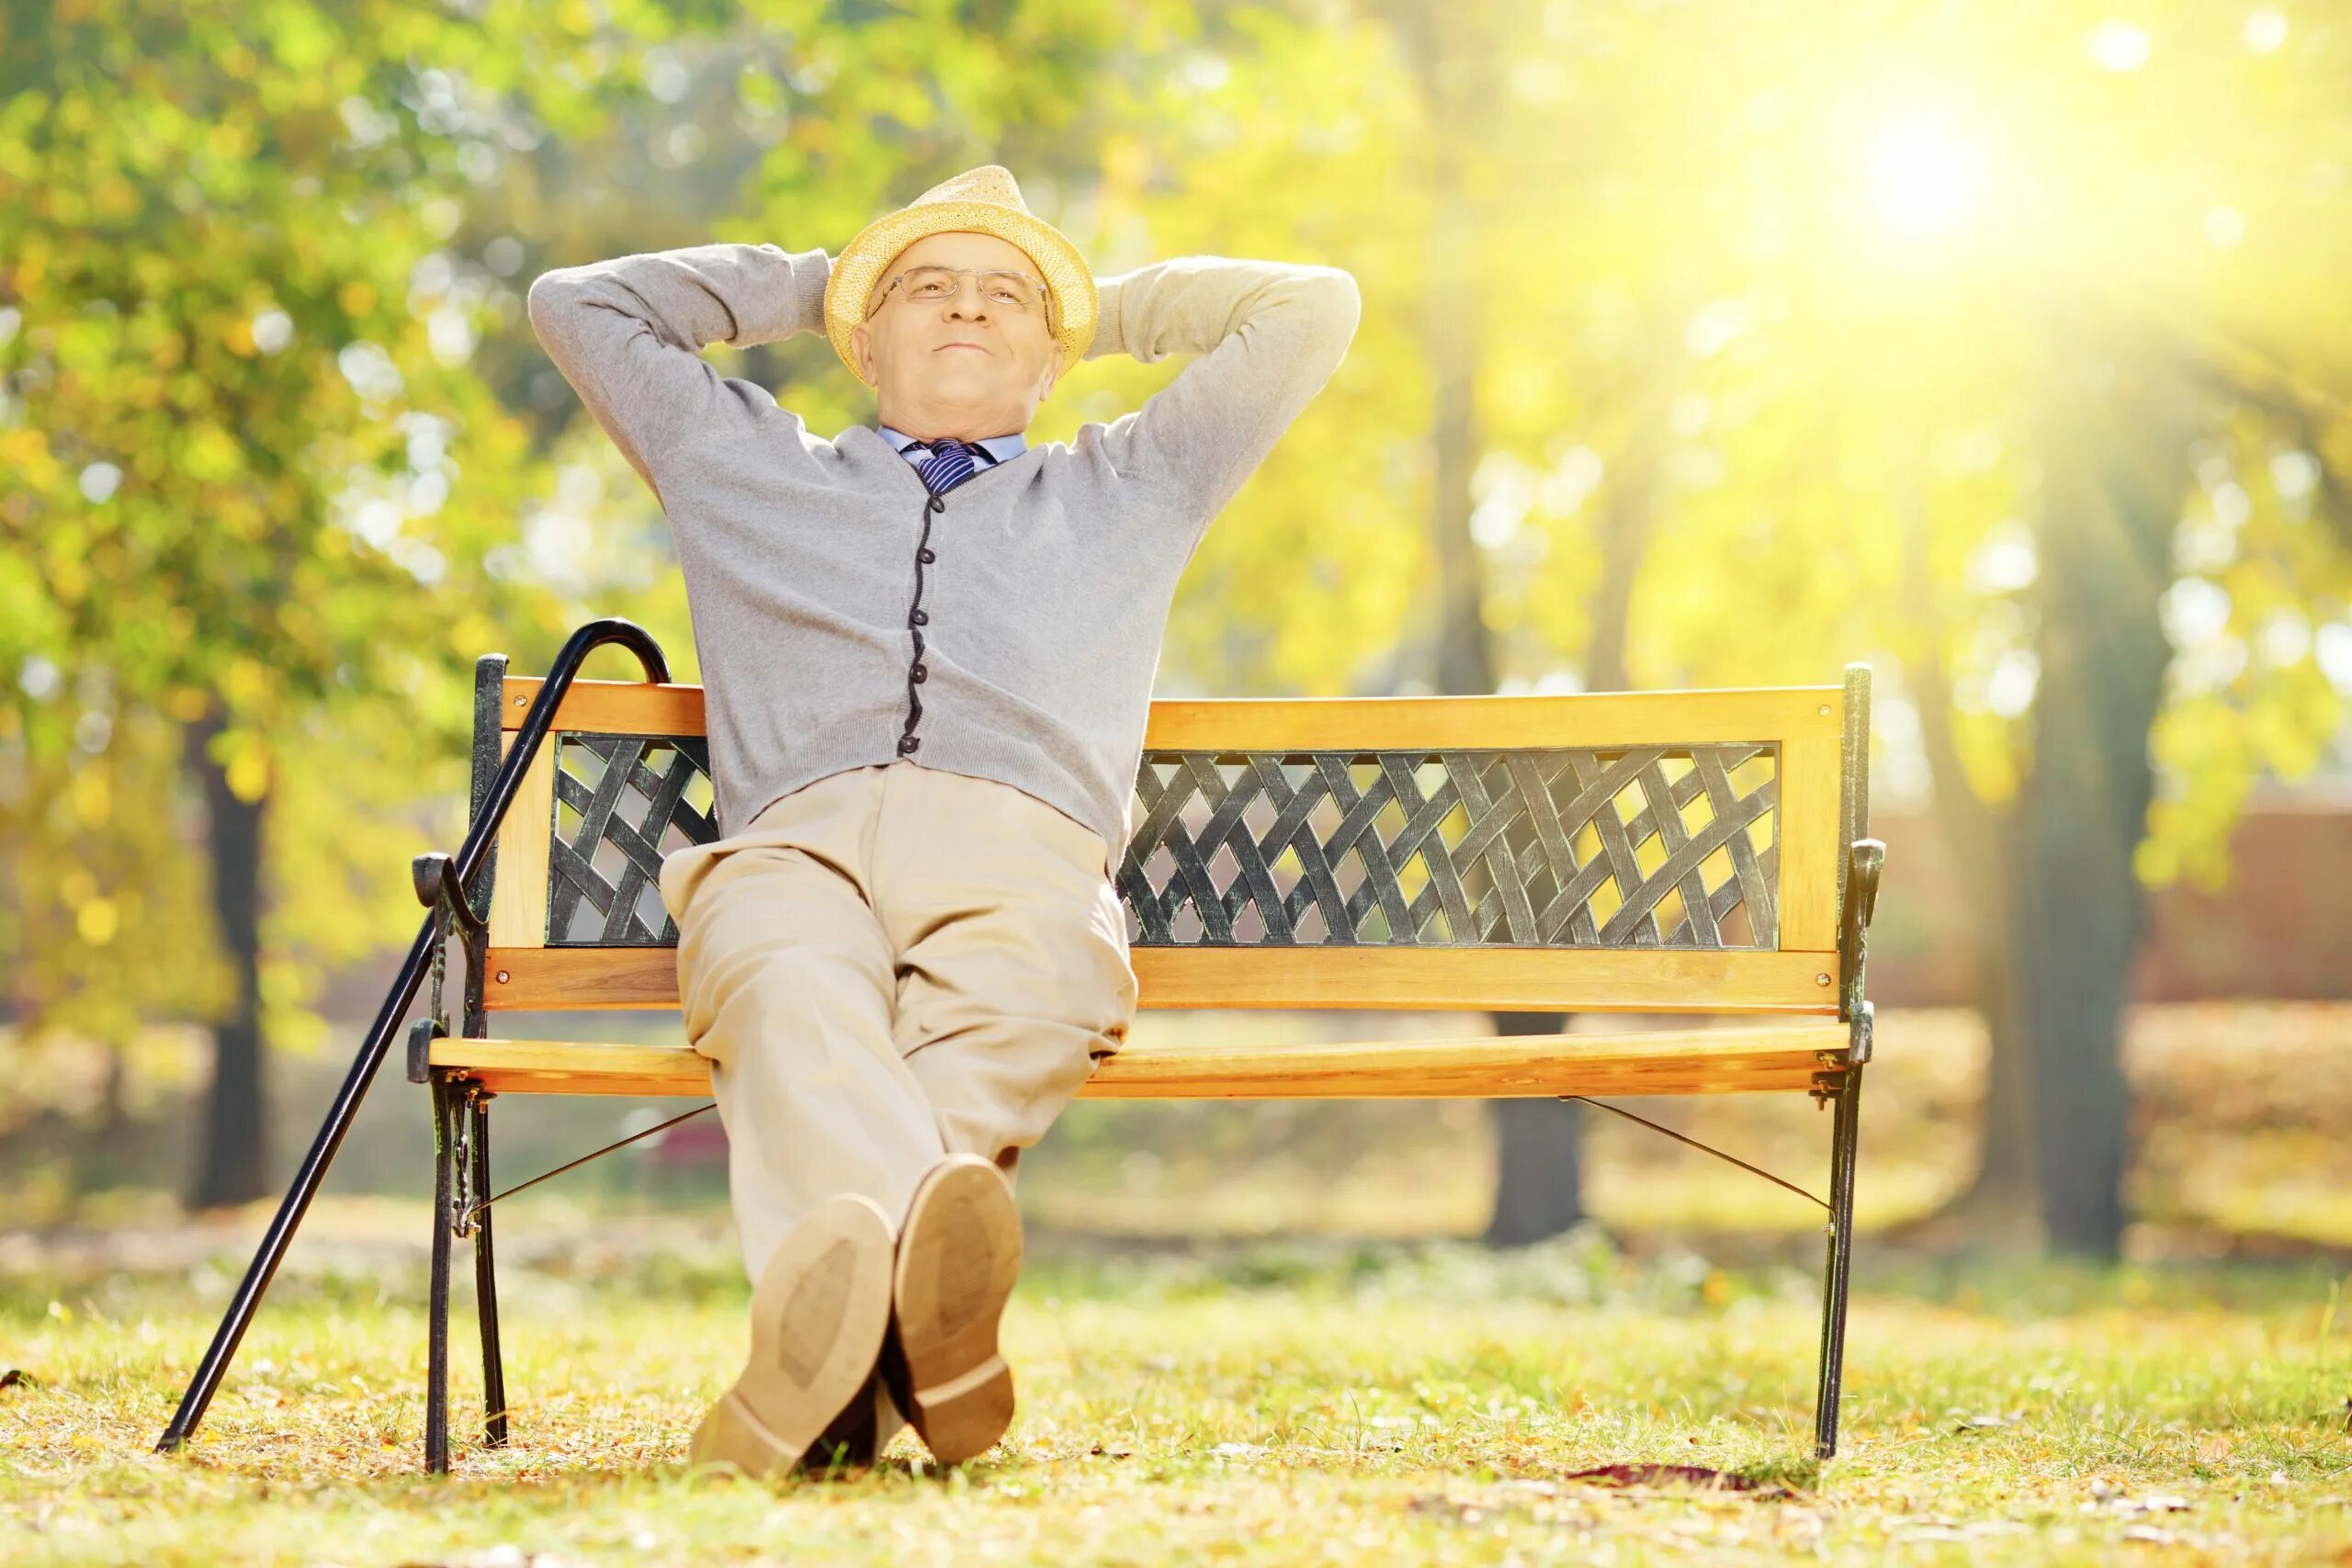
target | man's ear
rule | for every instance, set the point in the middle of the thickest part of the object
(861, 347)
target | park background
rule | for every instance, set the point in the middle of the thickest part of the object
(2003, 347)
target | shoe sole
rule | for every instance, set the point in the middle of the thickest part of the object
(818, 1316)
(958, 1257)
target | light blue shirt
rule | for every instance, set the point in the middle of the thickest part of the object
(996, 447)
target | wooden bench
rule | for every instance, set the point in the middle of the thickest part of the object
(1680, 852)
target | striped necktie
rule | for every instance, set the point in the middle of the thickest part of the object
(950, 464)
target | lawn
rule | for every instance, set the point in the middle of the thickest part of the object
(1255, 1403)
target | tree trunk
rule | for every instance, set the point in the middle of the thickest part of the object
(233, 1159)
(1538, 1153)
(1623, 529)
(2000, 1206)
(1538, 1150)
(1539, 1162)
(2112, 483)
(1465, 658)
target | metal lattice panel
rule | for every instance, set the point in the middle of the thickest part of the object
(1641, 847)
(1638, 847)
(622, 802)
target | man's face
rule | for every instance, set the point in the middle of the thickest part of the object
(968, 364)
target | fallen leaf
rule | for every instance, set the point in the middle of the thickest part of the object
(1684, 1475)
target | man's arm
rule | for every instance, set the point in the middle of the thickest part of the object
(629, 333)
(1268, 334)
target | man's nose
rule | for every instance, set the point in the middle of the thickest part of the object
(979, 295)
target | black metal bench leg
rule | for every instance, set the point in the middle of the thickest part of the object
(493, 1369)
(436, 1365)
(1842, 1249)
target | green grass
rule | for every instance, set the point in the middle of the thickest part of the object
(1259, 1403)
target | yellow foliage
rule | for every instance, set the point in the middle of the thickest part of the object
(25, 453)
(247, 682)
(94, 797)
(97, 922)
(248, 771)
(228, 140)
(30, 267)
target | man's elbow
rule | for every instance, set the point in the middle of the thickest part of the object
(1354, 297)
(563, 311)
(1339, 307)
(546, 303)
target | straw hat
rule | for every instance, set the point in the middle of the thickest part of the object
(985, 199)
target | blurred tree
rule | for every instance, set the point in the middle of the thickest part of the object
(2043, 402)
(93, 847)
(239, 413)
(1792, 339)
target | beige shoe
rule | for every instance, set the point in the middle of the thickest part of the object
(819, 1314)
(958, 1256)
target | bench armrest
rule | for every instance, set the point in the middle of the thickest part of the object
(1864, 863)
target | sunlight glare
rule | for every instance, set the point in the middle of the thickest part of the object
(1926, 178)
(2119, 46)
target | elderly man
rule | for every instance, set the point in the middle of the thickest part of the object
(927, 651)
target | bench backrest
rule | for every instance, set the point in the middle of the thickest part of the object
(1675, 851)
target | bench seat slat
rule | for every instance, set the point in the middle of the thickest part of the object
(1447, 979)
(1690, 1061)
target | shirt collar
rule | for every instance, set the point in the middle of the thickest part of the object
(1000, 447)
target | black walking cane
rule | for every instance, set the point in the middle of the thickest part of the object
(490, 813)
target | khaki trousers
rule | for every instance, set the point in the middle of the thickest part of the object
(892, 963)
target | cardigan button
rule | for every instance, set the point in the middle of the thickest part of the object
(920, 674)
(926, 556)
(907, 743)
(938, 504)
(919, 618)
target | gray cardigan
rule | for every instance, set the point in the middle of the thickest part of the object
(1011, 628)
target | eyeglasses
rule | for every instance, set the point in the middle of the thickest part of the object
(1014, 290)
